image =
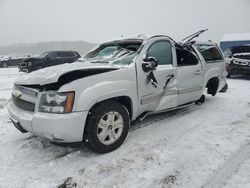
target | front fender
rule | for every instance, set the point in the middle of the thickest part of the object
(107, 90)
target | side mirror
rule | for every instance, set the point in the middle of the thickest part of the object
(149, 64)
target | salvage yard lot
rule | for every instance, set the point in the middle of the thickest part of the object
(207, 145)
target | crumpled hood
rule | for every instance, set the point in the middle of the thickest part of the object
(52, 74)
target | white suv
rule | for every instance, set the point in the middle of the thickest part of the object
(94, 101)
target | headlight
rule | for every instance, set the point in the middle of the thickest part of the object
(57, 102)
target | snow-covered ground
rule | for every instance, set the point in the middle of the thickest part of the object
(203, 146)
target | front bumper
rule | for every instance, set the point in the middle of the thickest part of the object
(56, 127)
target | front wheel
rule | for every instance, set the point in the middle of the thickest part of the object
(106, 127)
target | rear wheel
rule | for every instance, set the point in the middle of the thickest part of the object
(106, 127)
(212, 86)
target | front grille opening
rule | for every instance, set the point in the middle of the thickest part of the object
(26, 91)
(24, 105)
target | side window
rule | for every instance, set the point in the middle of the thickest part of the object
(53, 55)
(210, 53)
(71, 54)
(185, 58)
(161, 50)
(61, 54)
(64, 54)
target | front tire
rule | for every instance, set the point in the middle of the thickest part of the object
(107, 126)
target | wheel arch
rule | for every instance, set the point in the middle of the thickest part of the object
(126, 101)
(90, 133)
(212, 86)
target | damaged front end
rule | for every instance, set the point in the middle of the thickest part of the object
(43, 108)
(67, 78)
(50, 103)
(46, 97)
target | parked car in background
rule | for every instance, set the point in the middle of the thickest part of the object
(120, 81)
(238, 60)
(12, 60)
(4, 61)
(48, 59)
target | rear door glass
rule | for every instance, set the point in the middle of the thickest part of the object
(185, 58)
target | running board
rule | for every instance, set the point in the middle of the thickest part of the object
(144, 115)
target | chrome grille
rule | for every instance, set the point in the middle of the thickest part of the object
(245, 63)
(22, 104)
(26, 91)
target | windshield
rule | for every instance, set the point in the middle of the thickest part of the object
(43, 55)
(126, 60)
(115, 49)
(106, 52)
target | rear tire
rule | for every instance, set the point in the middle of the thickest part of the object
(106, 127)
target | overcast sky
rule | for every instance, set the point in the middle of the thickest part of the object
(30, 21)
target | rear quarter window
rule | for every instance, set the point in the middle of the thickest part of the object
(210, 53)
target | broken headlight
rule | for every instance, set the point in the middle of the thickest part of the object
(57, 102)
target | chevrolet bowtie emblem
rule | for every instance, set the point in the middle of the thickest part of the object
(18, 94)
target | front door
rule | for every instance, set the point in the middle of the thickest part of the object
(163, 93)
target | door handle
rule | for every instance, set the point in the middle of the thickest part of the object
(197, 72)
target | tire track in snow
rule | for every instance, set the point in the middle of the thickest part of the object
(219, 178)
